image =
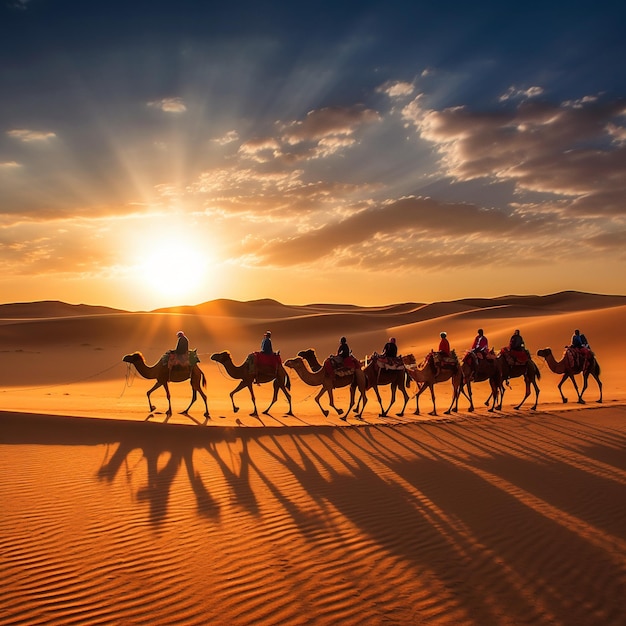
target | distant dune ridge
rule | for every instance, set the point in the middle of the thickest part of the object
(111, 515)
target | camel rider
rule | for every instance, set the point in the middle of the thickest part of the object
(343, 352)
(390, 350)
(579, 341)
(266, 344)
(516, 342)
(442, 352)
(182, 343)
(180, 354)
(444, 345)
(480, 347)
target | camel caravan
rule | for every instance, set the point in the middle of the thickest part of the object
(386, 369)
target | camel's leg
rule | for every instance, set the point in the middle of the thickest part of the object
(454, 405)
(156, 386)
(382, 413)
(358, 404)
(419, 392)
(332, 401)
(391, 402)
(405, 396)
(363, 398)
(254, 413)
(585, 382)
(169, 401)
(470, 397)
(498, 394)
(317, 399)
(285, 385)
(277, 386)
(197, 390)
(578, 393)
(599, 382)
(362, 385)
(288, 396)
(432, 396)
(239, 387)
(351, 404)
(527, 393)
(534, 407)
(566, 377)
(496, 390)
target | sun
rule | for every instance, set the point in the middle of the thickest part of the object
(175, 268)
(176, 273)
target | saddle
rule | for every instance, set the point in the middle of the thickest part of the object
(335, 366)
(386, 362)
(578, 358)
(476, 360)
(264, 359)
(257, 360)
(443, 361)
(180, 361)
(515, 357)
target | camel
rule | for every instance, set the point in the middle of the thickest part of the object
(397, 379)
(528, 370)
(564, 367)
(485, 370)
(163, 376)
(246, 375)
(320, 377)
(374, 377)
(425, 378)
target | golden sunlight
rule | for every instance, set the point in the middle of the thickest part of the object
(177, 273)
(174, 265)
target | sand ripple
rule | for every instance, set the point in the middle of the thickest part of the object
(462, 522)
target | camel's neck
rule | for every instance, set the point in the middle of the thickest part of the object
(234, 371)
(558, 367)
(145, 370)
(307, 376)
(311, 359)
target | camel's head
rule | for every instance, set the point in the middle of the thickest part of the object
(544, 352)
(309, 352)
(221, 357)
(135, 357)
(293, 363)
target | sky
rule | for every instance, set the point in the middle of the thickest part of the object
(161, 153)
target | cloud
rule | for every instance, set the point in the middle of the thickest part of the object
(574, 151)
(9, 165)
(515, 93)
(27, 136)
(328, 122)
(169, 105)
(226, 138)
(260, 149)
(406, 219)
(397, 89)
(322, 133)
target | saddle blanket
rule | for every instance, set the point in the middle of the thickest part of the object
(387, 363)
(337, 367)
(578, 357)
(515, 356)
(267, 360)
(172, 359)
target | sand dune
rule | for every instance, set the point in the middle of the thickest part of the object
(111, 515)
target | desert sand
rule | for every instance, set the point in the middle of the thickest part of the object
(115, 514)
